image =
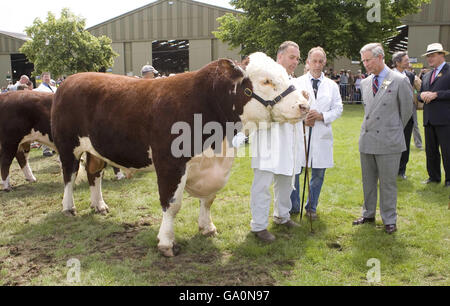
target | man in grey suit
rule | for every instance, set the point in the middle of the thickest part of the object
(387, 103)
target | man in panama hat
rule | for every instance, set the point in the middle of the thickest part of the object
(435, 93)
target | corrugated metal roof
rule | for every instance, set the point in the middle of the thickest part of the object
(20, 36)
(159, 2)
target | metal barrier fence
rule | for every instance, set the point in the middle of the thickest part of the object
(350, 94)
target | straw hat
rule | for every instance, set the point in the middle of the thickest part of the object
(435, 48)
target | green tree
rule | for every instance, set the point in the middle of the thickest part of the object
(62, 46)
(342, 27)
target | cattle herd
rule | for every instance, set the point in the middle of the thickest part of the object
(127, 122)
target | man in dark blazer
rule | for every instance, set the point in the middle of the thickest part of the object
(400, 60)
(435, 93)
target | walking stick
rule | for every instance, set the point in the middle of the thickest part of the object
(306, 180)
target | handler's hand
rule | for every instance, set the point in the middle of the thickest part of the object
(312, 117)
(428, 96)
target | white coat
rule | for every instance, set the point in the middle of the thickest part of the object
(329, 103)
(273, 149)
(44, 88)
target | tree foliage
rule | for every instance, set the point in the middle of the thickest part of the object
(342, 27)
(62, 46)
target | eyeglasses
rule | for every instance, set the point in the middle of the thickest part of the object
(367, 60)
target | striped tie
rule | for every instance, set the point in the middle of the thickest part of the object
(375, 85)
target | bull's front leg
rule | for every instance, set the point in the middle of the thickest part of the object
(166, 235)
(205, 224)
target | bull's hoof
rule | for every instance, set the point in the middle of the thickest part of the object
(208, 231)
(101, 209)
(7, 189)
(31, 180)
(70, 212)
(169, 251)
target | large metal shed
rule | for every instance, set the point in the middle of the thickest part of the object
(173, 35)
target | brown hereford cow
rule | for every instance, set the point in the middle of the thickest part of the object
(129, 122)
(24, 118)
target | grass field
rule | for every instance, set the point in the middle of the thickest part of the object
(37, 241)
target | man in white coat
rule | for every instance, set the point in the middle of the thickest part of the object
(274, 150)
(325, 107)
(45, 85)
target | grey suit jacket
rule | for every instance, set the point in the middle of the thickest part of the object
(386, 114)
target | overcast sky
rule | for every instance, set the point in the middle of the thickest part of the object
(16, 15)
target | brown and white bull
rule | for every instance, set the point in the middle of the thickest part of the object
(24, 118)
(129, 122)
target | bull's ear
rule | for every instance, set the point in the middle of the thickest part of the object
(245, 62)
(231, 69)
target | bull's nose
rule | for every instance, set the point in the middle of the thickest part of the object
(304, 108)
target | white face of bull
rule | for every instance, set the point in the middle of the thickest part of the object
(270, 80)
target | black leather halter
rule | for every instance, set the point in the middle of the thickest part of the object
(249, 93)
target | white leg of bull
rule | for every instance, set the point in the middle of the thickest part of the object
(97, 202)
(166, 235)
(6, 184)
(68, 202)
(28, 173)
(205, 224)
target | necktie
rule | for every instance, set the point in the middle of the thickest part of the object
(315, 86)
(433, 76)
(375, 85)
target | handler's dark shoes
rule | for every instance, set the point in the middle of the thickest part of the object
(312, 215)
(265, 236)
(291, 224)
(429, 181)
(390, 229)
(363, 220)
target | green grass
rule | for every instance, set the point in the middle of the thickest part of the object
(36, 240)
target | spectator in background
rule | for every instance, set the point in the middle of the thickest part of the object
(357, 96)
(30, 85)
(22, 81)
(343, 83)
(351, 85)
(148, 72)
(400, 60)
(45, 85)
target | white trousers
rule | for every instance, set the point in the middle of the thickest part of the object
(260, 199)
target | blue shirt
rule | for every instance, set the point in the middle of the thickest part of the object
(439, 68)
(382, 75)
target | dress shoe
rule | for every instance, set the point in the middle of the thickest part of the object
(363, 220)
(265, 236)
(429, 181)
(390, 229)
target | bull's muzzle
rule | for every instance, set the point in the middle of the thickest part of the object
(304, 108)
